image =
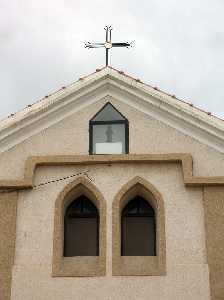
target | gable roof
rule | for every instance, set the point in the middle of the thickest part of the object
(108, 81)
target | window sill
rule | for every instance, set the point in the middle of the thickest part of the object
(138, 266)
(79, 266)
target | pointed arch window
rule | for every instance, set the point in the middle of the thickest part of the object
(108, 132)
(138, 229)
(138, 234)
(79, 239)
(81, 226)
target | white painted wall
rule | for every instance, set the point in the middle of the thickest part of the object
(147, 135)
(187, 270)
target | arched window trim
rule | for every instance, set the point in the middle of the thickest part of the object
(140, 265)
(86, 265)
(92, 123)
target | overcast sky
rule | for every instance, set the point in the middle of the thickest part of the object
(178, 46)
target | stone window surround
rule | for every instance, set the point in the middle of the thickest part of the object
(81, 265)
(138, 265)
(121, 265)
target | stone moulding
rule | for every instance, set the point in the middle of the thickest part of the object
(184, 159)
(8, 212)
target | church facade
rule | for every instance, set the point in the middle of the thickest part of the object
(111, 189)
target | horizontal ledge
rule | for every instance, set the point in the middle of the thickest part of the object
(184, 159)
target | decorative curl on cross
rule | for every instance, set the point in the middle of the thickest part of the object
(107, 44)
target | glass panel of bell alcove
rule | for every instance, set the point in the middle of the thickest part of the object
(108, 132)
(109, 139)
(108, 113)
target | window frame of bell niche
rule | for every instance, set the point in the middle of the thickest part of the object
(78, 266)
(138, 265)
(92, 123)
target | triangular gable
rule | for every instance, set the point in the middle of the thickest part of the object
(109, 82)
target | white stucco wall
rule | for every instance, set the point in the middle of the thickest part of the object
(147, 135)
(187, 271)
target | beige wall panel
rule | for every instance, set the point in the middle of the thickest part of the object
(187, 270)
(184, 283)
(147, 135)
(214, 219)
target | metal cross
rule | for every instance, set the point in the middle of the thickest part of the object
(108, 44)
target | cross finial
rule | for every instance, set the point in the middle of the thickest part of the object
(107, 44)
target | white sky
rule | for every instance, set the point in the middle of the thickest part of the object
(178, 47)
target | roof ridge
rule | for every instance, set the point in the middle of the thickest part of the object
(121, 72)
(166, 107)
(166, 93)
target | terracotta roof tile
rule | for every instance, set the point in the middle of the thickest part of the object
(121, 72)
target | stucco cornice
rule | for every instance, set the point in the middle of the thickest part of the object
(109, 82)
(177, 158)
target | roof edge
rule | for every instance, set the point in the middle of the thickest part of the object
(177, 109)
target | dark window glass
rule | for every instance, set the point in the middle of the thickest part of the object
(81, 228)
(108, 132)
(138, 232)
